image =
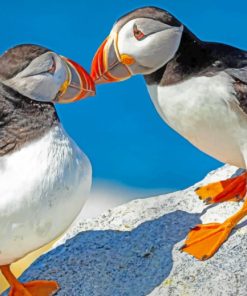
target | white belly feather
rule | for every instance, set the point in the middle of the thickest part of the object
(205, 111)
(43, 188)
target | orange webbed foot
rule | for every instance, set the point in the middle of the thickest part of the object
(233, 189)
(35, 288)
(204, 240)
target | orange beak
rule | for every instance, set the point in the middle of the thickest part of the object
(108, 65)
(78, 85)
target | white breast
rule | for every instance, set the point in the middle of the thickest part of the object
(43, 188)
(205, 111)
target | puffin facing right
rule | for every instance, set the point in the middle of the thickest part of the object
(198, 88)
(44, 176)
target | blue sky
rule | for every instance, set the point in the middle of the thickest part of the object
(119, 129)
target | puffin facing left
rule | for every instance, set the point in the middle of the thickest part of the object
(44, 177)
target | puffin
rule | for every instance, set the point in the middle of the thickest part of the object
(199, 89)
(44, 176)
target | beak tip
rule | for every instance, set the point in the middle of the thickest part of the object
(94, 75)
(81, 84)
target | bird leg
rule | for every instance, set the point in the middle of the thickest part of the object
(204, 240)
(34, 288)
(233, 189)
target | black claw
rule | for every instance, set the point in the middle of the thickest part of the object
(200, 197)
(205, 257)
(197, 188)
(208, 200)
(238, 198)
(182, 248)
(195, 228)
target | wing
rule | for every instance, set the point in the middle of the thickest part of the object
(240, 85)
(238, 74)
(7, 138)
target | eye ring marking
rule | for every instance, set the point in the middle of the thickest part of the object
(53, 67)
(139, 35)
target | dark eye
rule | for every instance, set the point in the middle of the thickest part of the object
(53, 67)
(139, 35)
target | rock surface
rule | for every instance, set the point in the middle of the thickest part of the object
(133, 250)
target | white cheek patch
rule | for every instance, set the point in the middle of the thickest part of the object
(160, 47)
(127, 43)
(156, 49)
(40, 87)
(38, 65)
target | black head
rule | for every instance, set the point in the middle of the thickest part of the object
(140, 42)
(42, 75)
(16, 59)
(150, 12)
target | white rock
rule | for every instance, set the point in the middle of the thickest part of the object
(133, 250)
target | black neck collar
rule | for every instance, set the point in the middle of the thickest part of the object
(22, 120)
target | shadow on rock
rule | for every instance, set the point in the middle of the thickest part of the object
(115, 263)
